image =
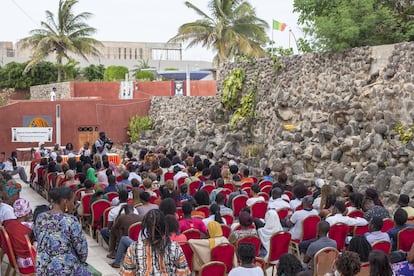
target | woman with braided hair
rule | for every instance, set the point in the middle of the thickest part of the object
(155, 254)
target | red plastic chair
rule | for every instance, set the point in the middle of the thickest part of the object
(97, 210)
(259, 209)
(86, 202)
(338, 232)
(383, 245)
(410, 220)
(405, 239)
(255, 240)
(265, 183)
(248, 191)
(134, 230)
(283, 212)
(193, 187)
(8, 249)
(179, 212)
(205, 209)
(356, 214)
(266, 189)
(112, 195)
(324, 260)
(168, 176)
(78, 193)
(213, 268)
(264, 195)
(192, 234)
(226, 193)
(238, 203)
(229, 219)
(255, 179)
(246, 185)
(360, 230)
(105, 216)
(180, 181)
(226, 230)
(229, 186)
(188, 253)
(364, 270)
(388, 223)
(208, 188)
(289, 194)
(309, 231)
(224, 253)
(279, 245)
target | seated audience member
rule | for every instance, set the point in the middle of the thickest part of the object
(276, 202)
(172, 192)
(246, 221)
(178, 173)
(299, 192)
(121, 226)
(69, 149)
(296, 219)
(135, 192)
(266, 175)
(246, 178)
(282, 179)
(356, 200)
(114, 213)
(348, 264)
(190, 223)
(405, 267)
(272, 225)
(338, 216)
(238, 190)
(146, 204)
(319, 183)
(132, 174)
(224, 210)
(347, 191)
(289, 265)
(184, 196)
(191, 172)
(168, 207)
(111, 184)
(320, 195)
(12, 168)
(375, 233)
(400, 219)
(246, 253)
(23, 212)
(155, 253)
(70, 181)
(125, 182)
(147, 182)
(17, 232)
(255, 189)
(214, 215)
(123, 245)
(201, 198)
(320, 243)
(372, 194)
(202, 247)
(11, 192)
(220, 185)
(360, 245)
(379, 264)
(173, 229)
(403, 201)
(372, 210)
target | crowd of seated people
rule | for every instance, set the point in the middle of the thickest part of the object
(208, 203)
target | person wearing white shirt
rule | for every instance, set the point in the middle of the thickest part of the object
(255, 198)
(276, 202)
(295, 221)
(246, 253)
(338, 216)
(53, 94)
(178, 174)
(375, 234)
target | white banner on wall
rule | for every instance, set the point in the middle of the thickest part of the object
(31, 134)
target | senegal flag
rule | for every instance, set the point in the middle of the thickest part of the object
(279, 26)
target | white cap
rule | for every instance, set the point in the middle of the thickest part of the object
(53, 155)
(319, 183)
(232, 162)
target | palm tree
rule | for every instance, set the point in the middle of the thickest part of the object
(232, 29)
(68, 33)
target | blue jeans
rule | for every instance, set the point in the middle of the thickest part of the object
(105, 232)
(123, 245)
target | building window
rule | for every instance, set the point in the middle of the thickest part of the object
(140, 53)
(136, 56)
(125, 53)
(119, 53)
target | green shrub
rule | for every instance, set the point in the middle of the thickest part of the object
(232, 86)
(136, 125)
(144, 75)
(115, 73)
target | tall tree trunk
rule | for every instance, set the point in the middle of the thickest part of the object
(59, 66)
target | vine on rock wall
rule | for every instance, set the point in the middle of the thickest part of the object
(136, 125)
(232, 87)
(245, 110)
(406, 133)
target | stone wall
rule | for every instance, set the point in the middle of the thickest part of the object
(42, 92)
(343, 117)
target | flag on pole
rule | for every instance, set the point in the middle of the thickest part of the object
(279, 25)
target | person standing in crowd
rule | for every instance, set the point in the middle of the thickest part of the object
(62, 247)
(103, 145)
(155, 253)
(53, 94)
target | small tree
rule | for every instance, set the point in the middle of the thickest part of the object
(114, 73)
(136, 125)
(144, 75)
(94, 72)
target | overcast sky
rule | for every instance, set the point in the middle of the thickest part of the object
(138, 20)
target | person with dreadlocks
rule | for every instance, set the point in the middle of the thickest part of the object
(155, 253)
